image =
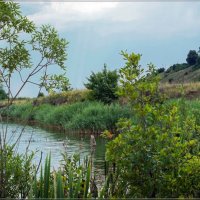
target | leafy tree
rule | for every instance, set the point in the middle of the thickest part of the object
(192, 57)
(16, 51)
(160, 70)
(103, 85)
(20, 39)
(158, 154)
(3, 94)
(40, 94)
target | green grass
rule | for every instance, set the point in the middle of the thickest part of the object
(85, 116)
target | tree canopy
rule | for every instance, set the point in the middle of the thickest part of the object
(19, 40)
(192, 57)
(103, 85)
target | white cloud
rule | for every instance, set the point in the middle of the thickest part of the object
(149, 19)
(63, 13)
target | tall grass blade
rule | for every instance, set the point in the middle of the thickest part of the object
(41, 183)
(47, 176)
(87, 182)
(59, 186)
(70, 181)
(35, 189)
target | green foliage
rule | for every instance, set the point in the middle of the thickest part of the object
(20, 111)
(161, 70)
(82, 116)
(192, 57)
(72, 180)
(177, 67)
(41, 94)
(42, 112)
(16, 52)
(68, 97)
(103, 85)
(3, 94)
(16, 173)
(158, 153)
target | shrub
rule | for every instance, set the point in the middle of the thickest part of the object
(3, 94)
(103, 85)
(158, 156)
(160, 70)
(16, 173)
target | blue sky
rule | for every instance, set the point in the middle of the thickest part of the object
(97, 31)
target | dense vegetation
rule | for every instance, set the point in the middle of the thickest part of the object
(182, 72)
(158, 156)
(153, 148)
(81, 116)
(3, 94)
(103, 85)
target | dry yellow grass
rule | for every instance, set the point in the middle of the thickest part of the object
(189, 90)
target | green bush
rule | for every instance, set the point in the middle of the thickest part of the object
(157, 157)
(161, 70)
(103, 85)
(3, 94)
(16, 173)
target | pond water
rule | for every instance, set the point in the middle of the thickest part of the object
(56, 142)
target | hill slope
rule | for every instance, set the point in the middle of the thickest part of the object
(187, 75)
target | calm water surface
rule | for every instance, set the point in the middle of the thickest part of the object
(48, 141)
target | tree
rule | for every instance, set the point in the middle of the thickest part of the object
(16, 52)
(19, 40)
(192, 57)
(157, 155)
(161, 70)
(103, 85)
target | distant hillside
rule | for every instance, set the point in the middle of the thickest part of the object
(185, 75)
(184, 72)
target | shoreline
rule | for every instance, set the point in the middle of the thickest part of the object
(58, 129)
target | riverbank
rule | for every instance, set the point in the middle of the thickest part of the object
(74, 111)
(85, 117)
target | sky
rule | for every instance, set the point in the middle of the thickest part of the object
(163, 32)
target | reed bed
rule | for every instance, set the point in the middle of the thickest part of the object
(87, 116)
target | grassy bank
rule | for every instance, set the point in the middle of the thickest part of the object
(82, 116)
(73, 110)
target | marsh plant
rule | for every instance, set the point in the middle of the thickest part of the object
(70, 181)
(156, 156)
